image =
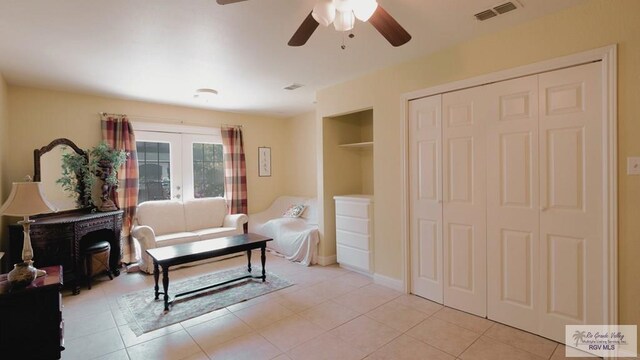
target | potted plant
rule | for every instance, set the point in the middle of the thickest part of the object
(103, 163)
(77, 178)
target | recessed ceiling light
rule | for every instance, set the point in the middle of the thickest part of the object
(205, 94)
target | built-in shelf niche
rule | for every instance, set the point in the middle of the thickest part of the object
(347, 153)
(361, 145)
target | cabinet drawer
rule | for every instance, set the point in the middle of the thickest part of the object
(353, 257)
(360, 226)
(354, 209)
(358, 241)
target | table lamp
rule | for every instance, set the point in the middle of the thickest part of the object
(26, 199)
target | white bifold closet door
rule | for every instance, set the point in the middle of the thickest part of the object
(519, 236)
(572, 250)
(425, 174)
(464, 193)
(513, 221)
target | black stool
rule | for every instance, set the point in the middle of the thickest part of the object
(96, 257)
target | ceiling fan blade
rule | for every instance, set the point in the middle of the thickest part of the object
(389, 27)
(304, 32)
(225, 2)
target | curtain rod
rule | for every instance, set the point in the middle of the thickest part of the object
(106, 113)
(182, 122)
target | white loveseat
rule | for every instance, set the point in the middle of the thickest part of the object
(294, 238)
(168, 222)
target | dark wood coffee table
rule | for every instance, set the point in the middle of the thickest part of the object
(206, 249)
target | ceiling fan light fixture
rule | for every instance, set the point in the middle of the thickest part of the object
(364, 9)
(324, 12)
(344, 20)
(344, 5)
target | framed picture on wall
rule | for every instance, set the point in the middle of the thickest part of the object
(264, 161)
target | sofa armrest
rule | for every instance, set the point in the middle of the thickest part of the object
(235, 220)
(144, 234)
(146, 237)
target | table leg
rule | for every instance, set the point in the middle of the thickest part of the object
(156, 276)
(165, 285)
(249, 259)
(263, 259)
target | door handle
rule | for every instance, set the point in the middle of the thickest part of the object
(177, 196)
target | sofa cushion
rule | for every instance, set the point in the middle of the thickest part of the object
(206, 234)
(164, 216)
(204, 213)
(176, 238)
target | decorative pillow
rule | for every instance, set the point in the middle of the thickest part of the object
(294, 211)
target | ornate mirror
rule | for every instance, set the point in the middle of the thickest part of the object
(47, 168)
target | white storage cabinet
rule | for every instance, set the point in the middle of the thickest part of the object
(354, 232)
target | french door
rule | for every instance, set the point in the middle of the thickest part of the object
(179, 166)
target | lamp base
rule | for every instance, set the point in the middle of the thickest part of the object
(22, 274)
(38, 271)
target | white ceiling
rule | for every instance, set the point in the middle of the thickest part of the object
(163, 50)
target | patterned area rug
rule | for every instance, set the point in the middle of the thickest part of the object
(144, 314)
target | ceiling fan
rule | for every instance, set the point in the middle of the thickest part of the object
(343, 13)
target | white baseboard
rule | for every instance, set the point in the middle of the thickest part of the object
(327, 260)
(392, 283)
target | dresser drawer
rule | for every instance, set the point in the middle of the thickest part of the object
(353, 257)
(360, 226)
(354, 240)
(354, 209)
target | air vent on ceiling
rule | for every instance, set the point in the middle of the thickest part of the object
(506, 7)
(487, 14)
(293, 86)
(497, 10)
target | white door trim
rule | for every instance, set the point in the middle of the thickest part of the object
(608, 56)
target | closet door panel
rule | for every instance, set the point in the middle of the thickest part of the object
(571, 173)
(425, 172)
(464, 192)
(512, 203)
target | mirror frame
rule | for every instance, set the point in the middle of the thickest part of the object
(37, 154)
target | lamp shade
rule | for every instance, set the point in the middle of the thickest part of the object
(26, 199)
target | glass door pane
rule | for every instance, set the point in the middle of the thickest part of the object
(203, 169)
(158, 166)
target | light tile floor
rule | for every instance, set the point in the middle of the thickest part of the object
(330, 313)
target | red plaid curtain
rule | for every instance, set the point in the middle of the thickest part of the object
(118, 132)
(235, 169)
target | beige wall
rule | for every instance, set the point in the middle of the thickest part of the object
(594, 24)
(5, 185)
(39, 116)
(300, 158)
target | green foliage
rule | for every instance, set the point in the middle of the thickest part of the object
(105, 154)
(75, 166)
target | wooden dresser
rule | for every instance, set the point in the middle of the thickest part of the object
(56, 239)
(32, 325)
